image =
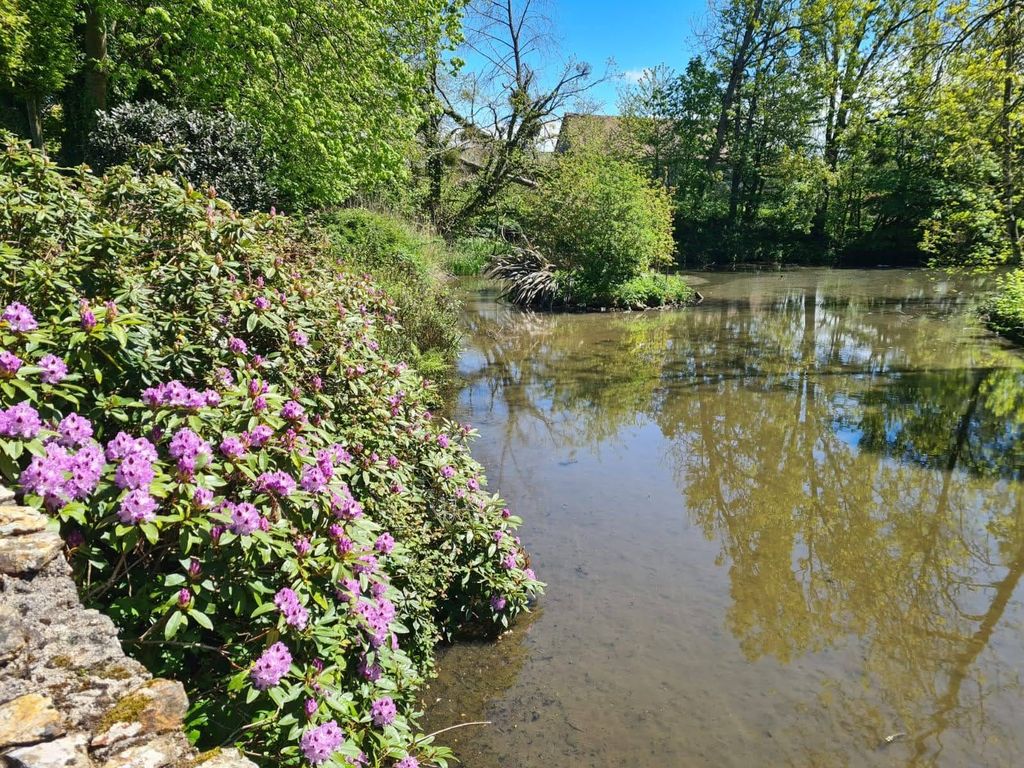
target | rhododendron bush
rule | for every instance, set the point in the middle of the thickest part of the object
(260, 499)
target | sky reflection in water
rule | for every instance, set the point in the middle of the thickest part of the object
(777, 529)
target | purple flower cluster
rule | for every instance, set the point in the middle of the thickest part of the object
(19, 318)
(20, 421)
(365, 564)
(378, 616)
(344, 506)
(232, 448)
(189, 449)
(383, 711)
(294, 613)
(60, 476)
(408, 762)
(271, 667)
(136, 456)
(258, 435)
(292, 411)
(278, 483)
(244, 518)
(319, 743)
(74, 430)
(174, 394)
(137, 507)
(10, 363)
(313, 478)
(52, 369)
(202, 498)
(299, 339)
(385, 543)
(237, 346)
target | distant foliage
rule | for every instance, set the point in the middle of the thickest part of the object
(1006, 309)
(214, 149)
(254, 491)
(594, 225)
(601, 221)
(408, 265)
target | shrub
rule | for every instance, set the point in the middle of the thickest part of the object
(255, 493)
(408, 266)
(650, 289)
(601, 222)
(206, 149)
(1006, 309)
(469, 257)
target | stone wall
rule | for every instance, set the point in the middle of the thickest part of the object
(69, 697)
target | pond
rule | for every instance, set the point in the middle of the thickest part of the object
(785, 527)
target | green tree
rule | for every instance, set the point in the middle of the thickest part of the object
(979, 119)
(39, 57)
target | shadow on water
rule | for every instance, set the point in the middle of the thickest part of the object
(841, 585)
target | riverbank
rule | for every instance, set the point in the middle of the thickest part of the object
(252, 483)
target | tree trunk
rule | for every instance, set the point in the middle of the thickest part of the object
(95, 57)
(34, 118)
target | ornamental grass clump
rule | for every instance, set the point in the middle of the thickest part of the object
(277, 520)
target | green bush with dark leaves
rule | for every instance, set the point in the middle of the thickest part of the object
(208, 149)
(258, 496)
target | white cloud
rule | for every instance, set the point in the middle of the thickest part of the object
(632, 75)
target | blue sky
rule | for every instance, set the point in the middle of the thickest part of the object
(637, 34)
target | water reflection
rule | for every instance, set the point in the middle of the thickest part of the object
(849, 447)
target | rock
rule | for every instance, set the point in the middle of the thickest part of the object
(13, 635)
(156, 707)
(28, 553)
(27, 720)
(161, 751)
(224, 758)
(6, 495)
(15, 521)
(68, 752)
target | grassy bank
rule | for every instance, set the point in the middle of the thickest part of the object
(413, 268)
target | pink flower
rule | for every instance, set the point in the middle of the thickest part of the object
(271, 667)
(52, 369)
(9, 364)
(318, 744)
(19, 318)
(137, 507)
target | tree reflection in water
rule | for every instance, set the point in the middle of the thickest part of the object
(861, 470)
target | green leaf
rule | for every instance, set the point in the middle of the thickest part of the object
(200, 618)
(174, 623)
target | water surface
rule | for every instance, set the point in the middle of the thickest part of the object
(783, 528)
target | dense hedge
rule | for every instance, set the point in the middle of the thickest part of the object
(258, 496)
(206, 148)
